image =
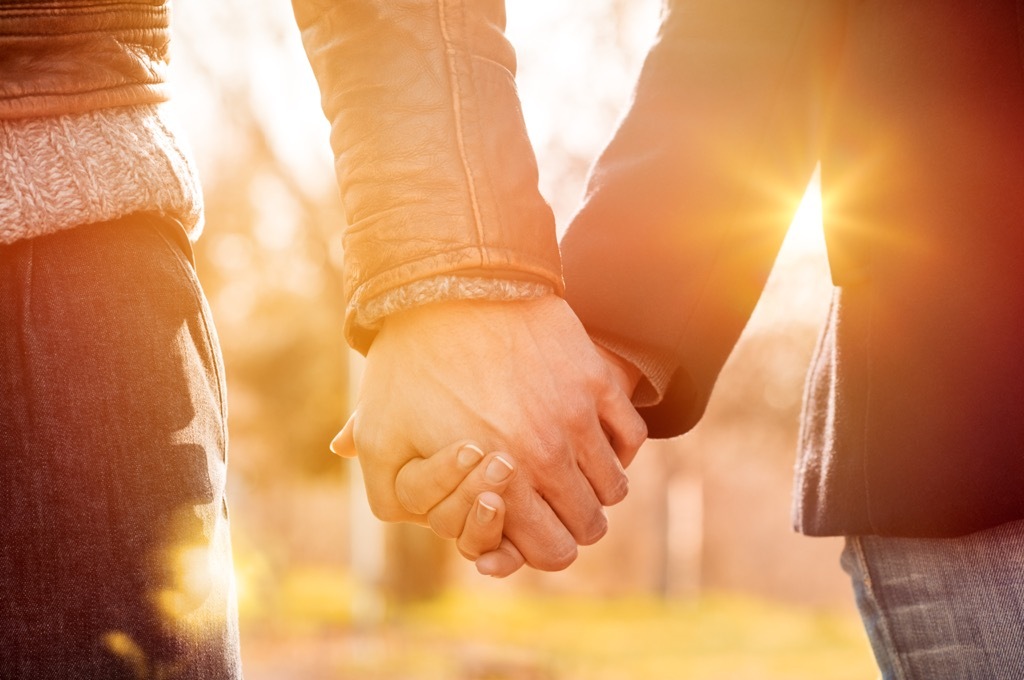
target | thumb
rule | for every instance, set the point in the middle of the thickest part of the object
(501, 562)
(344, 443)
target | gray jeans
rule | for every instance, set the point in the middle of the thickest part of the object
(943, 608)
(115, 558)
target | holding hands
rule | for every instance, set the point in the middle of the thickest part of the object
(524, 380)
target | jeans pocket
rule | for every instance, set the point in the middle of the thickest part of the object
(175, 237)
(175, 231)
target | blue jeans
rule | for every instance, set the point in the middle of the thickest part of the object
(938, 609)
(115, 559)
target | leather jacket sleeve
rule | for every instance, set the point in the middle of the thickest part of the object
(436, 173)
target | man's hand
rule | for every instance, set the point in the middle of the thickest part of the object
(521, 377)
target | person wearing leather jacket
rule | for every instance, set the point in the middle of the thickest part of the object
(115, 558)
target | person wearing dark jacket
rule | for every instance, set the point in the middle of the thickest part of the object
(912, 439)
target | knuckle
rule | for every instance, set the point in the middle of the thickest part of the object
(595, 370)
(407, 500)
(385, 511)
(441, 526)
(636, 433)
(467, 551)
(559, 557)
(467, 493)
(616, 492)
(595, 530)
(580, 416)
(550, 457)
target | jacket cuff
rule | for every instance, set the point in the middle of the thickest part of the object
(441, 288)
(656, 368)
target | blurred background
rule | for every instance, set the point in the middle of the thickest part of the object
(699, 576)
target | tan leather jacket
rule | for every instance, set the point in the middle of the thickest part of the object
(71, 56)
(436, 172)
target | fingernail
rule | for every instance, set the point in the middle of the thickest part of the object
(498, 470)
(469, 456)
(485, 513)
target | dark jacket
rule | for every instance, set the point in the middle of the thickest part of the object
(914, 416)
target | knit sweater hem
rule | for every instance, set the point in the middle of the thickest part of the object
(64, 171)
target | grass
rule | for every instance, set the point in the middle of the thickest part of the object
(507, 636)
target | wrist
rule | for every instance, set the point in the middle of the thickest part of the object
(448, 288)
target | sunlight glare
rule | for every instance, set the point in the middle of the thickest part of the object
(805, 233)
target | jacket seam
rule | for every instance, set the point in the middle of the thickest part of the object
(126, 33)
(868, 372)
(456, 95)
(1020, 34)
(54, 104)
(72, 5)
(145, 84)
(81, 13)
(23, 9)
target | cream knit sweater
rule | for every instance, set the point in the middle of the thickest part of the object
(62, 172)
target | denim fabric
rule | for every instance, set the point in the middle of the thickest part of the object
(115, 559)
(939, 609)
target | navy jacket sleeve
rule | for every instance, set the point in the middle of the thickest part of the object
(688, 205)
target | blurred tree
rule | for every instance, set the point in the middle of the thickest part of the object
(270, 262)
(266, 257)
